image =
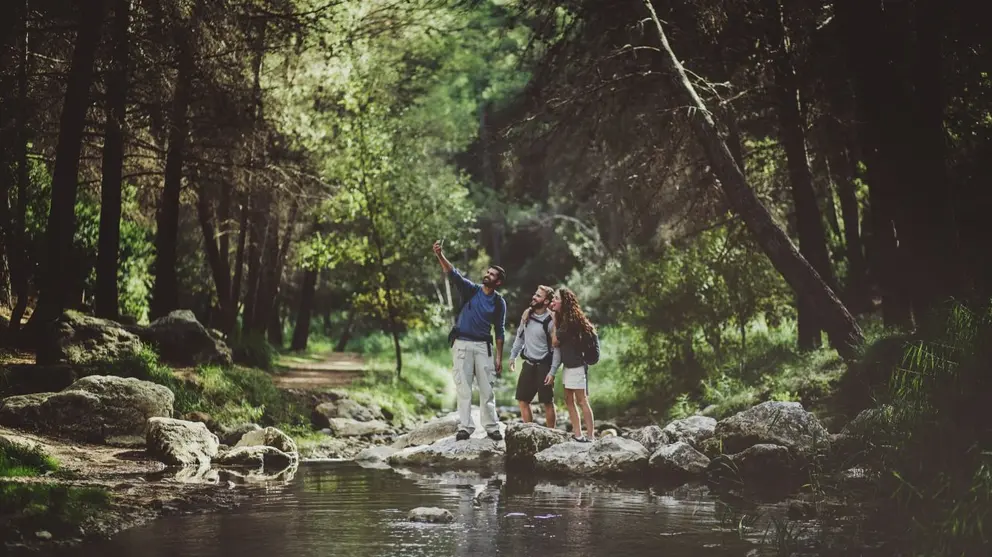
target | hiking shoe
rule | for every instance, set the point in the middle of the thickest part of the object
(462, 435)
(582, 439)
(495, 435)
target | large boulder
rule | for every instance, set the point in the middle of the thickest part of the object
(764, 464)
(607, 456)
(95, 408)
(270, 437)
(230, 435)
(677, 462)
(777, 423)
(81, 340)
(180, 443)
(181, 340)
(524, 441)
(432, 431)
(255, 456)
(477, 451)
(693, 430)
(650, 436)
(346, 427)
(344, 408)
(375, 456)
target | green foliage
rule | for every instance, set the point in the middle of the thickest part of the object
(253, 350)
(58, 509)
(21, 460)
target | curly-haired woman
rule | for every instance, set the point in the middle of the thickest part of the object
(576, 338)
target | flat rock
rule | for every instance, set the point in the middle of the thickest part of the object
(693, 430)
(650, 436)
(271, 437)
(776, 423)
(433, 515)
(678, 461)
(525, 440)
(476, 452)
(606, 456)
(347, 427)
(255, 456)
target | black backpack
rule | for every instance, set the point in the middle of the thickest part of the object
(590, 349)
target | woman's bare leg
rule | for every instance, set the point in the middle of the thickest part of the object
(583, 403)
(573, 414)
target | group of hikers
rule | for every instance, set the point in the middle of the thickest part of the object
(553, 332)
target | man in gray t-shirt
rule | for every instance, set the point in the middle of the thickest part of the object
(533, 342)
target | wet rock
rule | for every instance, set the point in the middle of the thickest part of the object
(256, 456)
(693, 430)
(607, 456)
(78, 339)
(432, 431)
(43, 535)
(759, 464)
(180, 443)
(271, 437)
(476, 452)
(431, 515)
(678, 461)
(182, 340)
(345, 427)
(257, 475)
(779, 423)
(197, 475)
(93, 408)
(524, 441)
(230, 435)
(650, 436)
(344, 408)
(375, 455)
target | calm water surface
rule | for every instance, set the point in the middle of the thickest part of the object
(343, 509)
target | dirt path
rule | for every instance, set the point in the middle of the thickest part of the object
(335, 369)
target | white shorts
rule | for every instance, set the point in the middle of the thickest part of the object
(574, 378)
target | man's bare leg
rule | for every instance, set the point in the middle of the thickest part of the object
(550, 415)
(525, 414)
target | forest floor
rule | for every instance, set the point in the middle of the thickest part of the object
(140, 489)
(319, 371)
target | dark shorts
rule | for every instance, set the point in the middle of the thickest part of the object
(531, 382)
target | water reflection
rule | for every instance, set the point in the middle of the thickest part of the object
(344, 509)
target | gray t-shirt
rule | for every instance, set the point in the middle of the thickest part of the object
(531, 341)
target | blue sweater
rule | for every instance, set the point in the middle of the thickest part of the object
(476, 317)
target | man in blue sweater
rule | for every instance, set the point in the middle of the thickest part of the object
(472, 350)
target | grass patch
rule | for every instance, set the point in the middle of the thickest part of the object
(21, 460)
(229, 395)
(58, 509)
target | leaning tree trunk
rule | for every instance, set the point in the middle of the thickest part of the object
(809, 224)
(113, 168)
(843, 330)
(301, 331)
(55, 283)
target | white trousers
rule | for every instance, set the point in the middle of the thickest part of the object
(473, 364)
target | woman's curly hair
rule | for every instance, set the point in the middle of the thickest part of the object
(570, 321)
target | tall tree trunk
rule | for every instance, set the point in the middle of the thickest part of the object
(20, 270)
(858, 287)
(222, 278)
(275, 332)
(936, 255)
(56, 283)
(844, 332)
(231, 320)
(878, 112)
(346, 332)
(809, 222)
(301, 331)
(258, 232)
(165, 292)
(113, 167)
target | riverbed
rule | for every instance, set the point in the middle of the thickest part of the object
(341, 508)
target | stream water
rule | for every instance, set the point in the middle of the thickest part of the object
(344, 509)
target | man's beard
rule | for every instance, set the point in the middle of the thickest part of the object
(538, 305)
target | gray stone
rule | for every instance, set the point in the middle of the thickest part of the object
(345, 427)
(256, 456)
(344, 408)
(180, 443)
(271, 437)
(525, 440)
(777, 423)
(650, 436)
(182, 340)
(431, 515)
(607, 456)
(693, 430)
(476, 452)
(427, 433)
(678, 461)
(78, 339)
(230, 435)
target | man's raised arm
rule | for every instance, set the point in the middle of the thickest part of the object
(445, 264)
